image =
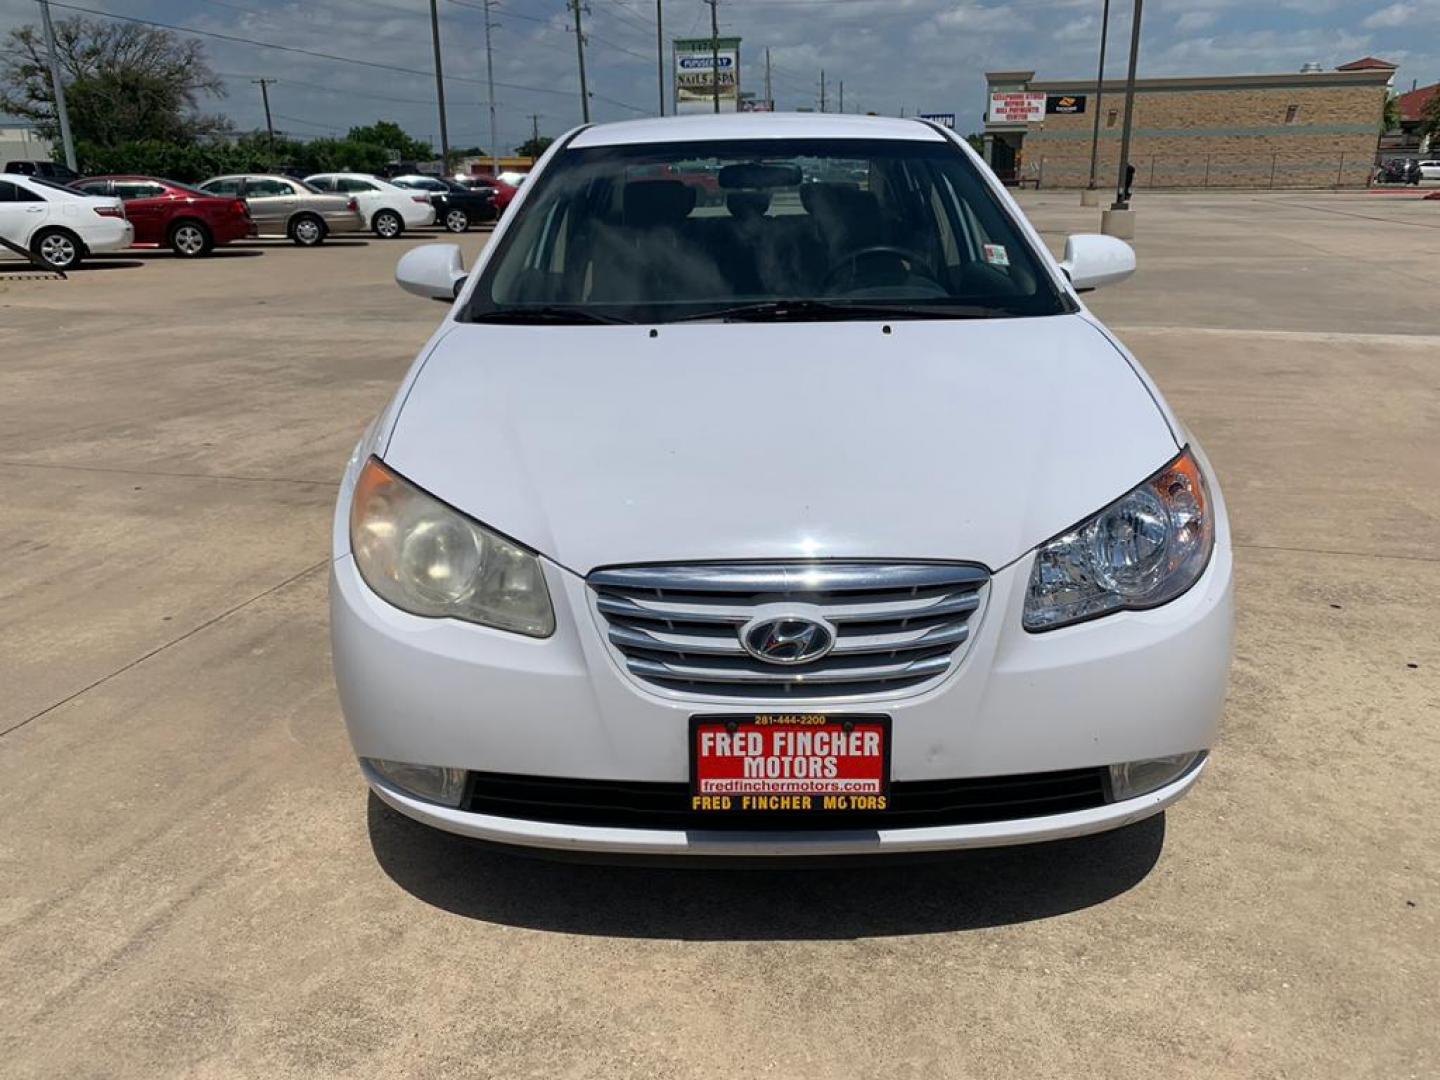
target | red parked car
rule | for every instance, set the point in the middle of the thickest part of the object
(187, 220)
(504, 190)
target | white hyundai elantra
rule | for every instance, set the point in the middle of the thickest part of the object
(769, 490)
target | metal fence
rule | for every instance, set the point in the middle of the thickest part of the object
(1160, 171)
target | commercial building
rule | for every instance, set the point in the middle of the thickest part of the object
(1314, 128)
(1406, 140)
(19, 141)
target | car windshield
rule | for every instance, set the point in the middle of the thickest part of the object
(802, 229)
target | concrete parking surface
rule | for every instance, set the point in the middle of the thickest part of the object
(194, 883)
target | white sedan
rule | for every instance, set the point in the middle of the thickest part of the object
(388, 210)
(821, 519)
(59, 225)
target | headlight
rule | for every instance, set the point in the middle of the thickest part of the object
(1142, 550)
(429, 559)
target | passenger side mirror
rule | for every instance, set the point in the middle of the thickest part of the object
(1092, 260)
(434, 271)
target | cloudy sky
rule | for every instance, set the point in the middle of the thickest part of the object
(890, 54)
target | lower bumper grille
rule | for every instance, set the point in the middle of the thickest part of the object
(914, 803)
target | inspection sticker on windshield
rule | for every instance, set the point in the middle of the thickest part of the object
(995, 254)
(790, 762)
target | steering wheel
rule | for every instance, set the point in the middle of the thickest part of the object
(851, 260)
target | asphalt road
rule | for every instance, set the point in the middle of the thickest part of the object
(194, 883)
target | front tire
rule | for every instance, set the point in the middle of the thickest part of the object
(307, 230)
(191, 240)
(457, 220)
(387, 224)
(59, 249)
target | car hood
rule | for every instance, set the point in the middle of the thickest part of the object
(596, 445)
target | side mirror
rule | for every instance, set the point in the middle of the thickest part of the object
(1092, 260)
(434, 271)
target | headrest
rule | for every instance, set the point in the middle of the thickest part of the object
(657, 202)
(747, 205)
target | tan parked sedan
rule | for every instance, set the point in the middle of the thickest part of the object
(281, 206)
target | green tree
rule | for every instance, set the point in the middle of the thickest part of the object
(977, 142)
(391, 137)
(534, 147)
(124, 82)
(1390, 115)
(1430, 116)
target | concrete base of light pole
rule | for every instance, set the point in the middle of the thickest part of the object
(1118, 223)
(1089, 196)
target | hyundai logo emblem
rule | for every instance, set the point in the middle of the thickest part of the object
(787, 639)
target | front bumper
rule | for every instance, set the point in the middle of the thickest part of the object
(1130, 686)
(733, 844)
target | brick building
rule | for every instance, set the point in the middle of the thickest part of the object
(1311, 129)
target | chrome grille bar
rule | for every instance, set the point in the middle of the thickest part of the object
(895, 625)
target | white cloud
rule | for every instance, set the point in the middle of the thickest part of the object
(1191, 21)
(1394, 15)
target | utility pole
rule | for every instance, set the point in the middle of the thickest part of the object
(57, 87)
(534, 130)
(714, 53)
(842, 95)
(264, 85)
(822, 89)
(490, 92)
(660, 52)
(1099, 90)
(580, 52)
(440, 90)
(1121, 202)
(770, 97)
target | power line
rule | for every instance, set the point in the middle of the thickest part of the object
(237, 39)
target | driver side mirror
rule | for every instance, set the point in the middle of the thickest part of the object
(434, 271)
(1092, 260)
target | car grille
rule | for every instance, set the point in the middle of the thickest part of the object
(913, 803)
(896, 626)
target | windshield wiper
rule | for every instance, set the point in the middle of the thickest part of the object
(547, 313)
(820, 310)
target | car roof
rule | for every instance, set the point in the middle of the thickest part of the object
(708, 126)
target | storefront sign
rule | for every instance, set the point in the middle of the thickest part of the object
(1017, 108)
(1065, 103)
(697, 73)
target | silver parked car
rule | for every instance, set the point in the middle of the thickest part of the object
(281, 206)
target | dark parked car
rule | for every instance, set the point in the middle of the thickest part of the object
(46, 170)
(504, 190)
(457, 207)
(187, 220)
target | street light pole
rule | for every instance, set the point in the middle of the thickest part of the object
(265, 99)
(714, 54)
(1122, 202)
(57, 87)
(580, 52)
(660, 51)
(1099, 92)
(440, 90)
(490, 92)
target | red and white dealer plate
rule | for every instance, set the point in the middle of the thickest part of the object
(789, 763)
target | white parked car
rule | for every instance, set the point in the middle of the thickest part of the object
(387, 209)
(1430, 170)
(825, 520)
(59, 225)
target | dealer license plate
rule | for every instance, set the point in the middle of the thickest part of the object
(797, 763)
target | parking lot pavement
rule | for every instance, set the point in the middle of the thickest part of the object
(194, 883)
